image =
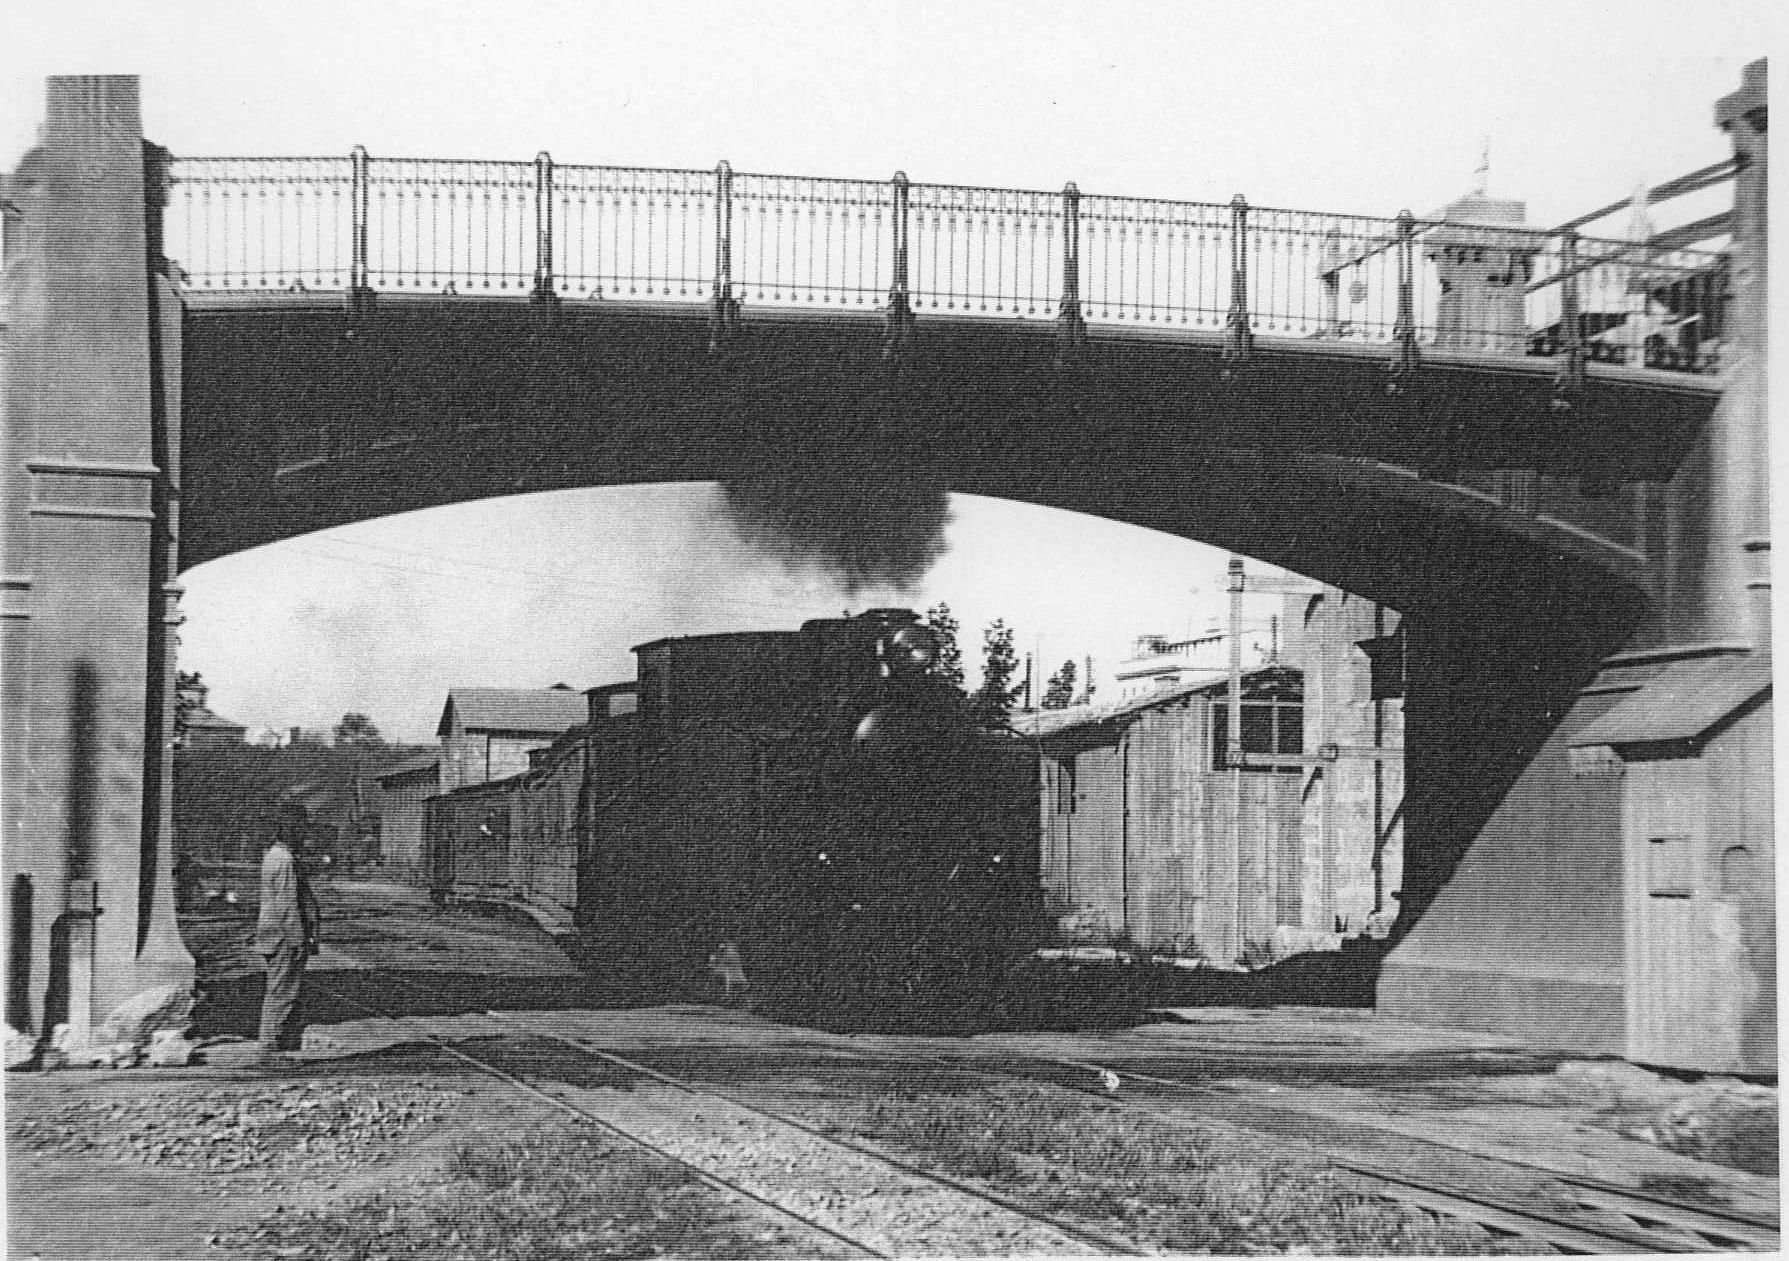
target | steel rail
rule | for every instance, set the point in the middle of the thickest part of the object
(1105, 1244)
(1492, 1212)
(1697, 1226)
(1713, 1224)
(1767, 1227)
(701, 1175)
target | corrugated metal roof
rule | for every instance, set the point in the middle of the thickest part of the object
(1682, 701)
(547, 711)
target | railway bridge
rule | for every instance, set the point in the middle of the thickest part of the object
(1546, 449)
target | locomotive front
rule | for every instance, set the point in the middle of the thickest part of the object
(819, 800)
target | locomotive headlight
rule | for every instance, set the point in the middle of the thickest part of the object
(911, 650)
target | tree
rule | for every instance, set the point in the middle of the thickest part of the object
(1059, 692)
(993, 700)
(950, 654)
(356, 731)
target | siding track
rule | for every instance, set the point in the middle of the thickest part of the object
(1055, 1235)
(1576, 1214)
(1508, 1197)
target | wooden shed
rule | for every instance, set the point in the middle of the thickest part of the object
(1698, 858)
(1148, 835)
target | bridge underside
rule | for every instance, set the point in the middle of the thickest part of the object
(1589, 855)
(1524, 543)
(296, 420)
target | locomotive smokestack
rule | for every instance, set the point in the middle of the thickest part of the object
(862, 527)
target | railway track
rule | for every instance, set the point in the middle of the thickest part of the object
(1567, 1213)
(1577, 1214)
(1054, 1237)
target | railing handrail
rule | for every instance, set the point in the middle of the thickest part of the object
(371, 224)
(525, 165)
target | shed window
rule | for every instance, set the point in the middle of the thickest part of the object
(1670, 867)
(1267, 727)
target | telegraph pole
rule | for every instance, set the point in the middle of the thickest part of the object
(1233, 741)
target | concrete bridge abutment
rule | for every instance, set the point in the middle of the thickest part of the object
(1591, 852)
(90, 430)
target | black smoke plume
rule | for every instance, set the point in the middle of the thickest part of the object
(864, 529)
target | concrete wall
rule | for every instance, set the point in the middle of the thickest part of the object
(1522, 931)
(1346, 803)
(1742, 782)
(86, 563)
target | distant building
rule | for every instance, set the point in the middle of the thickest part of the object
(1146, 835)
(1157, 662)
(1350, 652)
(1483, 274)
(612, 700)
(486, 732)
(402, 791)
(1138, 839)
(204, 729)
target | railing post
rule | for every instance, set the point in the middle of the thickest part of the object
(1569, 384)
(899, 321)
(1404, 350)
(1239, 341)
(723, 316)
(1071, 327)
(360, 291)
(1331, 277)
(543, 228)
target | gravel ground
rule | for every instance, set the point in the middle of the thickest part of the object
(852, 1194)
(294, 1129)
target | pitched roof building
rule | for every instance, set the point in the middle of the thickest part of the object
(486, 732)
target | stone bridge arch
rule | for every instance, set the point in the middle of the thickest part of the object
(1527, 537)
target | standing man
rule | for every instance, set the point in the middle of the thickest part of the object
(286, 937)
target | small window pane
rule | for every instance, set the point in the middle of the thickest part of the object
(1291, 729)
(1257, 729)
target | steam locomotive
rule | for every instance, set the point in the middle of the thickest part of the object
(817, 802)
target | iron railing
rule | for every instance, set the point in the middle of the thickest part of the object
(368, 226)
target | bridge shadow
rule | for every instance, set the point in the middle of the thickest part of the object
(232, 1006)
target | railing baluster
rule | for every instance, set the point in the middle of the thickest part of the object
(543, 227)
(898, 323)
(1239, 340)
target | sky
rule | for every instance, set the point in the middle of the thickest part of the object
(1369, 107)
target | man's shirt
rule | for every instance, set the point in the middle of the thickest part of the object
(288, 911)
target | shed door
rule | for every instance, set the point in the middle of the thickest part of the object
(1675, 986)
(1099, 834)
